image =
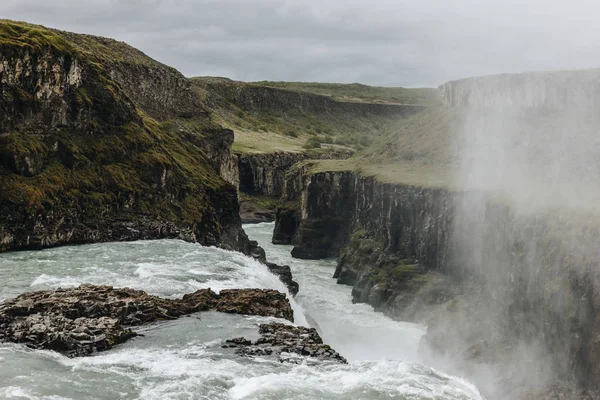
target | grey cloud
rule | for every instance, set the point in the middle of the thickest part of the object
(385, 42)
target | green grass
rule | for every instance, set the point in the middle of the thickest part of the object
(407, 173)
(257, 142)
(356, 92)
(15, 34)
(265, 202)
(23, 35)
(290, 128)
(429, 137)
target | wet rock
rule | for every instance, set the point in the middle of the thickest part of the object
(283, 272)
(88, 319)
(285, 275)
(236, 342)
(287, 342)
(286, 224)
(263, 302)
(257, 252)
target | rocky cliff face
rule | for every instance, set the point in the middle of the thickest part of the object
(264, 174)
(485, 279)
(561, 89)
(99, 142)
(259, 179)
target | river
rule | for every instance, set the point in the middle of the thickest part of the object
(183, 359)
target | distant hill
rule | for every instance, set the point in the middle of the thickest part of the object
(361, 93)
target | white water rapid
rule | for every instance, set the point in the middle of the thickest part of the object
(183, 359)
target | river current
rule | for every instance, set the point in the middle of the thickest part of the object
(183, 359)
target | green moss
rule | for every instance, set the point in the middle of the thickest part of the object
(116, 160)
(34, 37)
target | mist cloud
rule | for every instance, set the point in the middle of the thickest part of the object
(403, 42)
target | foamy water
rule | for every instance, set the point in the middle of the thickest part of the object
(183, 359)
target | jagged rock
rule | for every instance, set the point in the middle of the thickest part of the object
(283, 272)
(257, 252)
(285, 275)
(285, 340)
(90, 318)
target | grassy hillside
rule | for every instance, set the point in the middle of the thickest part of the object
(429, 137)
(356, 92)
(84, 151)
(267, 119)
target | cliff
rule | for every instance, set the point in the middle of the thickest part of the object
(559, 89)
(495, 284)
(259, 179)
(99, 142)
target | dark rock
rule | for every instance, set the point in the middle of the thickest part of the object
(90, 318)
(264, 174)
(257, 252)
(308, 253)
(237, 342)
(283, 272)
(285, 275)
(282, 340)
(263, 302)
(286, 225)
(93, 147)
(250, 97)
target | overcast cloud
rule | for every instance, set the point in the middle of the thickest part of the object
(379, 42)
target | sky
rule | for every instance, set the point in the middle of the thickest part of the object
(379, 42)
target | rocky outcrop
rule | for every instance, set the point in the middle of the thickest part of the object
(259, 179)
(98, 142)
(284, 272)
(264, 174)
(289, 343)
(88, 319)
(470, 265)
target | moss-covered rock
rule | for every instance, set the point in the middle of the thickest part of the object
(99, 142)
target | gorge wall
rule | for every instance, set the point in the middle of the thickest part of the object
(494, 284)
(560, 89)
(98, 142)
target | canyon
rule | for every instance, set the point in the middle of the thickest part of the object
(100, 143)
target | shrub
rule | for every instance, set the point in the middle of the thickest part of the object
(312, 143)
